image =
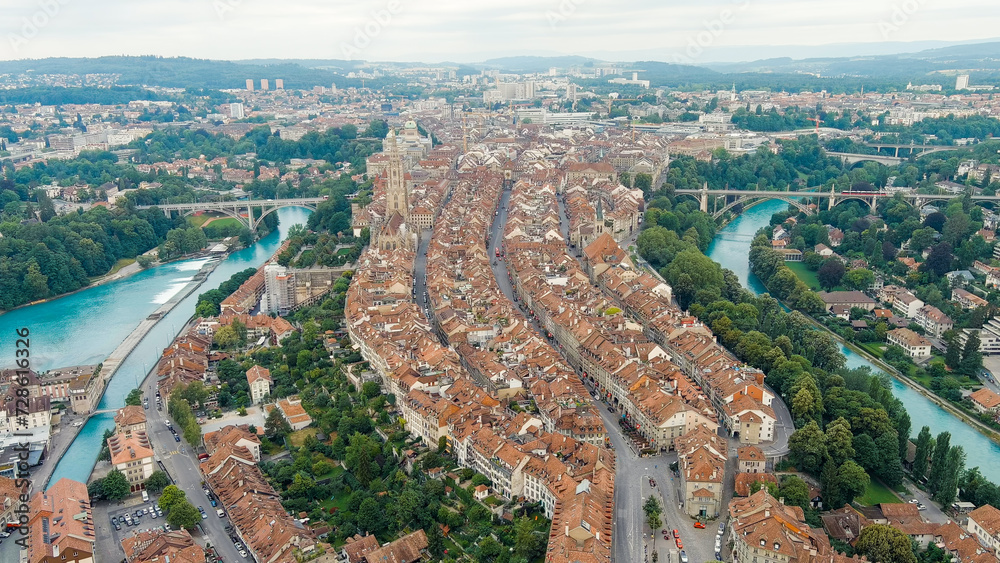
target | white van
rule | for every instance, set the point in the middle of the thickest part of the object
(145, 496)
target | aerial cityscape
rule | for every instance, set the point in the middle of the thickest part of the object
(567, 282)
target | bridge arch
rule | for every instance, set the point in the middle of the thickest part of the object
(271, 210)
(234, 213)
(750, 197)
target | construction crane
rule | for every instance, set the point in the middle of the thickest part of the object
(818, 121)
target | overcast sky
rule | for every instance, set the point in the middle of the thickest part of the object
(468, 31)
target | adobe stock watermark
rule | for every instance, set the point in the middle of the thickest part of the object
(30, 26)
(223, 7)
(713, 29)
(901, 14)
(563, 11)
(365, 34)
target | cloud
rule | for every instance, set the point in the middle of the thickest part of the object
(467, 31)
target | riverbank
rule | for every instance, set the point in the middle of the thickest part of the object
(123, 273)
(941, 402)
(909, 382)
(122, 352)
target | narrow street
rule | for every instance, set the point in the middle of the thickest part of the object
(181, 464)
(633, 540)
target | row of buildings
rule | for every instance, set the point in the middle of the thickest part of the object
(464, 397)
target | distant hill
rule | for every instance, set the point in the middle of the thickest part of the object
(535, 64)
(981, 60)
(176, 72)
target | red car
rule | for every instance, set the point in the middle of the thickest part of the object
(679, 544)
(699, 525)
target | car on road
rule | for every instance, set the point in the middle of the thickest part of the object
(221, 513)
(920, 506)
(722, 527)
(243, 553)
(699, 525)
(177, 438)
(652, 482)
(914, 501)
(684, 557)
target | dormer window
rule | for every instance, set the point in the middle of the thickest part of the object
(763, 542)
(776, 546)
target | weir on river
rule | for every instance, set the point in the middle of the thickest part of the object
(731, 248)
(85, 327)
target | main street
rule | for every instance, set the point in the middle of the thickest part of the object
(181, 463)
(632, 473)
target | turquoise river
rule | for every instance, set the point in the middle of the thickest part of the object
(85, 327)
(731, 249)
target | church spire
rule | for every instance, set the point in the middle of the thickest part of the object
(397, 194)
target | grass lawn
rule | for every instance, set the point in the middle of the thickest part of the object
(298, 437)
(877, 493)
(198, 220)
(121, 264)
(224, 222)
(874, 348)
(114, 269)
(805, 274)
(344, 251)
(337, 470)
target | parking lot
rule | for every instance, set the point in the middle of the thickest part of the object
(126, 519)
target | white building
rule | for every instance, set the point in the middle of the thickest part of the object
(133, 456)
(259, 380)
(236, 111)
(913, 344)
(279, 289)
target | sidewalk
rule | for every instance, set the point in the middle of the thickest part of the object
(60, 442)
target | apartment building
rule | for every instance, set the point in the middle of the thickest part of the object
(913, 344)
(133, 456)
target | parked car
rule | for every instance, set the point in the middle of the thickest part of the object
(177, 438)
(699, 525)
(684, 557)
(221, 513)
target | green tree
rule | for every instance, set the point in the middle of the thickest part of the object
(851, 480)
(276, 427)
(171, 495)
(807, 448)
(528, 543)
(953, 356)
(948, 485)
(360, 457)
(795, 491)
(839, 441)
(882, 543)
(134, 398)
(924, 448)
(226, 338)
(939, 461)
(156, 481)
(192, 433)
(370, 516)
(183, 514)
(830, 273)
(972, 358)
(859, 279)
(115, 486)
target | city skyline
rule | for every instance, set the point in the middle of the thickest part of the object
(720, 30)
